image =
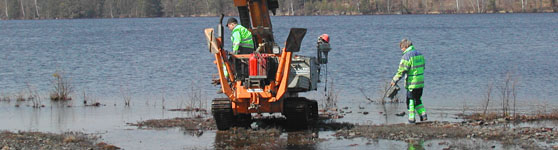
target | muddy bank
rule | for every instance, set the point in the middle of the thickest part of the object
(269, 132)
(38, 140)
(264, 133)
(241, 138)
(186, 123)
(269, 122)
(525, 137)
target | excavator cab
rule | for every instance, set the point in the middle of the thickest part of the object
(267, 80)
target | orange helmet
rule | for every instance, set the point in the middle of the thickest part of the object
(325, 37)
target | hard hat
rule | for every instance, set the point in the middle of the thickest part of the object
(325, 37)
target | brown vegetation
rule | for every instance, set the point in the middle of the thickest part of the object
(330, 101)
(329, 108)
(34, 97)
(187, 123)
(525, 137)
(195, 101)
(5, 97)
(38, 140)
(126, 96)
(516, 118)
(62, 87)
(508, 92)
(89, 100)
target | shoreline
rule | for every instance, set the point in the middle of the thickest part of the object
(325, 15)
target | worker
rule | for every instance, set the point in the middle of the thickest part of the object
(241, 38)
(412, 65)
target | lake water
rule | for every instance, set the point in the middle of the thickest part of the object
(153, 58)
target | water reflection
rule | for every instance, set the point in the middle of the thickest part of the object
(415, 145)
(60, 113)
(35, 116)
(266, 139)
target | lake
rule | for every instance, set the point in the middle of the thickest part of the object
(151, 59)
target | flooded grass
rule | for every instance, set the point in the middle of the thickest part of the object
(5, 97)
(186, 123)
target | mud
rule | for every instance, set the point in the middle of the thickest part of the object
(524, 137)
(272, 132)
(38, 140)
(190, 109)
(241, 138)
(258, 122)
(510, 118)
(196, 123)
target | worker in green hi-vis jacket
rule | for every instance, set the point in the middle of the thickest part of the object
(412, 65)
(241, 38)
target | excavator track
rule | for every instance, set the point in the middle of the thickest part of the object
(221, 109)
(300, 112)
(313, 104)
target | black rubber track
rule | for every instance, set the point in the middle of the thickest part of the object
(221, 109)
(300, 112)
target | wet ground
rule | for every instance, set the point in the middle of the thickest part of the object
(38, 140)
(163, 125)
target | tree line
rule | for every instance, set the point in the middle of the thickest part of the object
(68, 9)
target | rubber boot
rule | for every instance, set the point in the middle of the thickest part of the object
(421, 111)
(411, 111)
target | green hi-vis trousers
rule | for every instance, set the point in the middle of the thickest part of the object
(414, 102)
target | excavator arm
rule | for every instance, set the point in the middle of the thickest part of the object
(254, 15)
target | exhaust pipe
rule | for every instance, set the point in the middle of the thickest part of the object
(220, 30)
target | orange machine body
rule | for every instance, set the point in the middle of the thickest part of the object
(241, 96)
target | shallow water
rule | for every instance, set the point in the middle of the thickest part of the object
(162, 62)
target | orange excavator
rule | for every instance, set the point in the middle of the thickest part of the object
(269, 79)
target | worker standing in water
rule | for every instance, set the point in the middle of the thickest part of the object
(241, 38)
(412, 65)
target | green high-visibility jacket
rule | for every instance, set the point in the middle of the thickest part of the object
(412, 64)
(241, 37)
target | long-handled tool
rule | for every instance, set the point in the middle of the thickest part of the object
(391, 92)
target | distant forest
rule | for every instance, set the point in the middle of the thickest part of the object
(68, 9)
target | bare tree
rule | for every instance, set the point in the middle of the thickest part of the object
(22, 9)
(37, 10)
(514, 95)
(358, 6)
(472, 5)
(388, 7)
(173, 8)
(488, 96)
(478, 7)
(540, 5)
(425, 3)
(523, 5)
(6, 5)
(111, 14)
(457, 5)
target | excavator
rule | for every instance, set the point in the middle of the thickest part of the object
(268, 80)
